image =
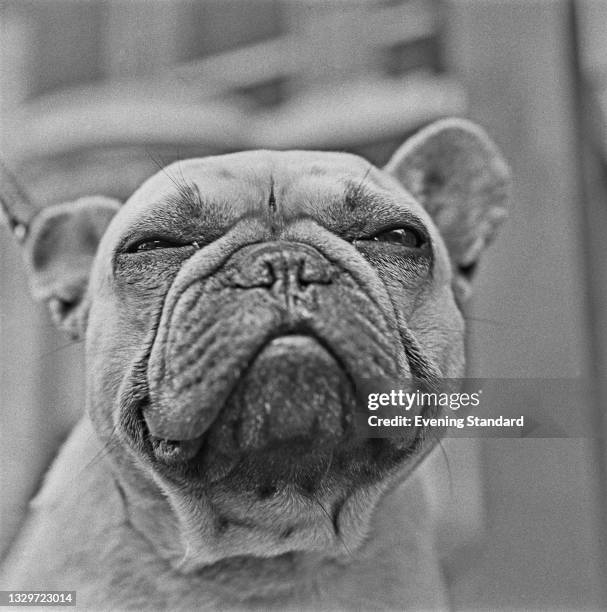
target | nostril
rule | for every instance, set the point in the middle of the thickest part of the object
(176, 451)
(261, 274)
(303, 279)
(270, 276)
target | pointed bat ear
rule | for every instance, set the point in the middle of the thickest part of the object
(15, 207)
(59, 249)
(59, 244)
(456, 172)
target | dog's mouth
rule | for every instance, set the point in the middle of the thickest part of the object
(287, 423)
(291, 406)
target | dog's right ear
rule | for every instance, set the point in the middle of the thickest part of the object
(59, 249)
(59, 244)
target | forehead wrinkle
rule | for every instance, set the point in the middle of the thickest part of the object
(363, 196)
(358, 194)
(182, 211)
(372, 208)
(189, 204)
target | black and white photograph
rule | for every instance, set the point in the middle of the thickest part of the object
(303, 305)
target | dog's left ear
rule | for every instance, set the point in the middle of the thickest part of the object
(456, 172)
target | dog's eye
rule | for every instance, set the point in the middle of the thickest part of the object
(152, 244)
(404, 236)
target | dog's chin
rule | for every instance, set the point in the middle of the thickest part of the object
(283, 466)
(287, 427)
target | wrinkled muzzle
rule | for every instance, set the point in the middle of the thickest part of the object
(266, 351)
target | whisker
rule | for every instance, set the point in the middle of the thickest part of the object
(488, 321)
(180, 170)
(354, 195)
(330, 519)
(104, 451)
(329, 464)
(439, 442)
(161, 166)
(60, 348)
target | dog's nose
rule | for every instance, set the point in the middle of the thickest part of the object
(281, 266)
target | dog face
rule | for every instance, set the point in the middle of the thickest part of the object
(231, 307)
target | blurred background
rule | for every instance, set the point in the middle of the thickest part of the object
(95, 95)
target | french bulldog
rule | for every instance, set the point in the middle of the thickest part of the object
(229, 308)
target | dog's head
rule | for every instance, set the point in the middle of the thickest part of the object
(231, 306)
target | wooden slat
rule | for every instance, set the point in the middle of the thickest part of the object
(120, 122)
(355, 113)
(367, 110)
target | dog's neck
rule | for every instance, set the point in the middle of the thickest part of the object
(400, 539)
